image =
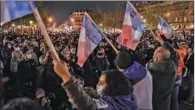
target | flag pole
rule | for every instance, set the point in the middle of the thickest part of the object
(103, 34)
(44, 32)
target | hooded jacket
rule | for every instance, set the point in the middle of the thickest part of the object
(142, 81)
(82, 101)
(164, 77)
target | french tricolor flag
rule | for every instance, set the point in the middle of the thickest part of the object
(11, 10)
(164, 28)
(132, 29)
(90, 36)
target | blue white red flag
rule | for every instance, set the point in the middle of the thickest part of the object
(164, 28)
(132, 29)
(90, 36)
(11, 10)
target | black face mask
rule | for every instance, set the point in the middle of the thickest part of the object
(100, 54)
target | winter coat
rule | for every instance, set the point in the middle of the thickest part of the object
(164, 77)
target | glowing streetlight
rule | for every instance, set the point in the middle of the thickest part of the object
(144, 20)
(192, 26)
(72, 20)
(141, 17)
(1, 24)
(101, 24)
(13, 25)
(31, 22)
(50, 19)
(185, 19)
(168, 14)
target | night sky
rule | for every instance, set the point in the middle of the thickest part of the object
(61, 10)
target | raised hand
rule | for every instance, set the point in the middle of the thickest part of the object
(62, 70)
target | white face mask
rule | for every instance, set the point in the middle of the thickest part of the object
(9, 46)
(99, 90)
(17, 49)
(29, 56)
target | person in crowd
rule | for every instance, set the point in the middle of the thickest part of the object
(42, 99)
(50, 82)
(22, 104)
(139, 77)
(101, 61)
(163, 68)
(190, 65)
(113, 87)
(26, 76)
(16, 58)
(182, 53)
(6, 55)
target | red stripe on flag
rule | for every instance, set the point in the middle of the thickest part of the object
(125, 39)
(81, 53)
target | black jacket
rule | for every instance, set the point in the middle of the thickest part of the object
(164, 76)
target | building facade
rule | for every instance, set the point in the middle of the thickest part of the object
(179, 14)
(75, 20)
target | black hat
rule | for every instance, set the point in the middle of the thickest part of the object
(123, 60)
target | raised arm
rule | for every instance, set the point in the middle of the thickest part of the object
(168, 46)
(75, 91)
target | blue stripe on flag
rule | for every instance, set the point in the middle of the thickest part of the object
(18, 9)
(164, 25)
(137, 23)
(92, 32)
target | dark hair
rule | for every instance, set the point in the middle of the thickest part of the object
(124, 60)
(22, 104)
(117, 84)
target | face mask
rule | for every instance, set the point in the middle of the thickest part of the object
(29, 56)
(99, 90)
(17, 49)
(9, 46)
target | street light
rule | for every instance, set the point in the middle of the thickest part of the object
(168, 14)
(72, 20)
(141, 17)
(101, 24)
(144, 20)
(13, 25)
(31, 22)
(192, 26)
(50, 19)
(1, 24)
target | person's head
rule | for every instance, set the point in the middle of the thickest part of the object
(22, 104)
(9, 45)
(161, 54)
(113, 83)
(40, 93)
(101, 52)
(17, 48)
(123, 60)
(28, 55)
(184, 47)
(67, 56)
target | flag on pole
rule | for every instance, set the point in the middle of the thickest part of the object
(164, 28)
(11, 10)
(132, 29)
(90, 36)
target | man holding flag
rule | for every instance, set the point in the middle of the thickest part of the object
(138, 75)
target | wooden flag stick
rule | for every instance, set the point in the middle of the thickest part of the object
(103, 35)
(44, 32)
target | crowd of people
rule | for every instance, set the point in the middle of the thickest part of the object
(153, 77)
